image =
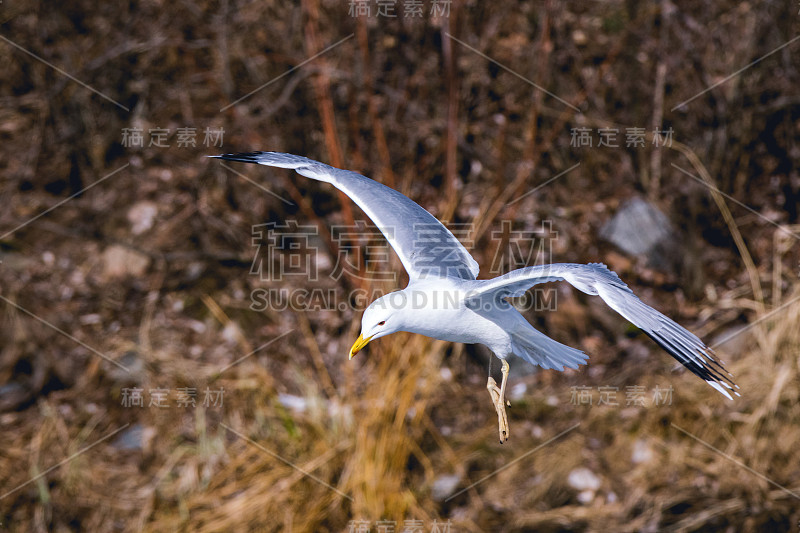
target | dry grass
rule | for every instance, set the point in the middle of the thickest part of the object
(372, 438)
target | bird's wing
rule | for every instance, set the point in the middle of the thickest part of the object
(596, 279)
(424, 245)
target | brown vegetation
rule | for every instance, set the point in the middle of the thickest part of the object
(148, 266)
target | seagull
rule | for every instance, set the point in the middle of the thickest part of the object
(445, 300)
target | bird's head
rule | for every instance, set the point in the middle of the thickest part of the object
(379, 319)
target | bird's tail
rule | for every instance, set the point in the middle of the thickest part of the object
(539, 349)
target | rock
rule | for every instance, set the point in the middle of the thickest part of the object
(585, 482)
(135, 373)
(12, 395)
(583, 479)
(141, 216)
(444, 486)
(639, 228)
(121, 262)
(130, 439)
(518, 391)
(297, 404)
(642, 453)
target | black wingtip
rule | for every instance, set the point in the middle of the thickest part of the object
(709, 368)
(244, 157)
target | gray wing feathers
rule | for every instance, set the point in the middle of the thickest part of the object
(596, 279)
(424, 245)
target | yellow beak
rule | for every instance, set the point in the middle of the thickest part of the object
(360, 343)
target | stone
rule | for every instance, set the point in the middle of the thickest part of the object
(641, 229)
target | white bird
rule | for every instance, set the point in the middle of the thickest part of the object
(445, 300)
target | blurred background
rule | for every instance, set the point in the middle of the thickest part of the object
(175, 329)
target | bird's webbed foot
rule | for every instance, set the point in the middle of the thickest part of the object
(499, 400)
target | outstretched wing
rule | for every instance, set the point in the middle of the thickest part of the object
(596, 279)
(425, 247)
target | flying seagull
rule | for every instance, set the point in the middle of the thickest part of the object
(445, 300)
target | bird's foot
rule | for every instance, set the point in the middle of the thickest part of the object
(499, 406)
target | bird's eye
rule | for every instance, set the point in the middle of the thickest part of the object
(382, 322)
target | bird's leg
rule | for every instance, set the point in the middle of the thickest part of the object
(498, 395)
